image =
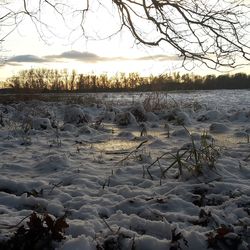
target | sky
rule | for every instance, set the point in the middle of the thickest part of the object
(31, 46)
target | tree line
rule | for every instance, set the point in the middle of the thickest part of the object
(53, 80)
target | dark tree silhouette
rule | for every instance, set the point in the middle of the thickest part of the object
(214, 32)
(52, 80)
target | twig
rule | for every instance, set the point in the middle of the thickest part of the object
(131, 152)
(157, 160)
(108, 226)
(16, 225)
(54, 186)
(248, 157)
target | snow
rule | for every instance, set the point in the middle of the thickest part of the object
(79, 243)
(41, 123)
(116, 188)
(218, 128)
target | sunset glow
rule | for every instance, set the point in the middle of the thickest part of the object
(31, 46)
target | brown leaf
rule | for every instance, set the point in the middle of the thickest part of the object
(34, 222)
(49, 222)
(222, 231)
(60, 225)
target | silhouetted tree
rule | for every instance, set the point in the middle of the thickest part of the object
(55, 80)
(72, 80)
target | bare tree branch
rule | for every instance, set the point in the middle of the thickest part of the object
(214, 34)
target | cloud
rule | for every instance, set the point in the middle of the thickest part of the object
(26, 59)
(93, 58)
(160, 58)
(85, 57)
(79, 56)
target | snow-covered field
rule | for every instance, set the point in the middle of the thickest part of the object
(130, 171)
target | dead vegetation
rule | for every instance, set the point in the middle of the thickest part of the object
(39, 233)
(193, 158)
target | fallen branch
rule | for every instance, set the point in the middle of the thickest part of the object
(131, 152)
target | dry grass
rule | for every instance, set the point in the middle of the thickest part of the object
(193, 158)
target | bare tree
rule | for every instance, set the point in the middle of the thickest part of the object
(212, 32)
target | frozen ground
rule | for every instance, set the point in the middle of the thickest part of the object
(131, 171)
